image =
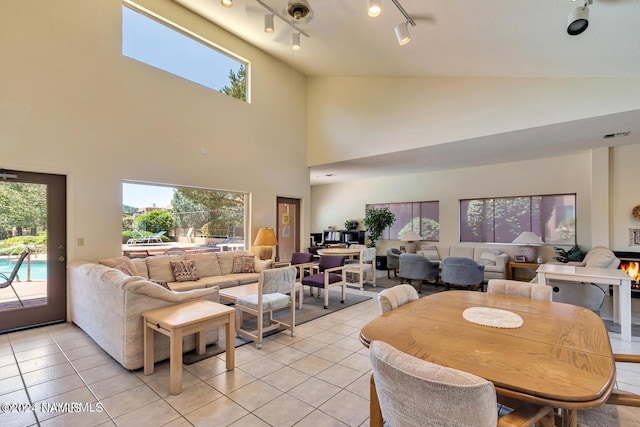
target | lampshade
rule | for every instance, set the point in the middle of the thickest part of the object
(266, 237)
(528, 238)
(410, 236)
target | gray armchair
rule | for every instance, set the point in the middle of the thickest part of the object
(417, 267)
(393, 261)
(463, 272)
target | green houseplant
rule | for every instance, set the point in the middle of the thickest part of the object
(376, 220)
(351, 224)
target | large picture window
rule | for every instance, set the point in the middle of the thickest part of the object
(182, 214)
(502, 219)
(422, 217)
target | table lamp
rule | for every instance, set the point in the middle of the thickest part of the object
(266, 239)
(411, 237)
(530, 240)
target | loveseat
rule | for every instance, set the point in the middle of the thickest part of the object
(494, 260)
(106, 299)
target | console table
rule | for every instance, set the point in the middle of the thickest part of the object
(620, 280)
(515, 265)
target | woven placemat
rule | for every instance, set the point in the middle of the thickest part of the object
(493, 317)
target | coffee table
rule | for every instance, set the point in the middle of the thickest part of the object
(176, 321)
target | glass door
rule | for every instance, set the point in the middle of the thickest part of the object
(288, 228)
(32, 249)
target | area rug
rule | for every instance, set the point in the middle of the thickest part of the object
(313, 308)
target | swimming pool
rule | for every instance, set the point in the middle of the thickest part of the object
(38, 269)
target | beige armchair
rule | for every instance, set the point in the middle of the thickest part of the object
(412, 392)
(519, 289)
(394, 297)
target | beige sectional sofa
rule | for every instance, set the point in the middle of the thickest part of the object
(494, 260)
(106, 302)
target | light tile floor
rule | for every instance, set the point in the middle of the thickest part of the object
(318, 378)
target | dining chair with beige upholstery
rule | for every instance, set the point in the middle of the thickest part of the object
(519, 289)
(276, 290)
(622, 409)
(415, 393)
(397, 296)
(366, 262)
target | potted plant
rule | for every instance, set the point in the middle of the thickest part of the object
(351, 224)
(376, 220)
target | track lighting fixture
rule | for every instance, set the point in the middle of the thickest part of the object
(295, 41)
(226, 3)
(268, 23)
(375, 7)
(579, 19)
(402, 33)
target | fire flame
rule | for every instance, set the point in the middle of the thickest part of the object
(632, 269)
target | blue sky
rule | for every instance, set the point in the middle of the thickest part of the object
(155, 44)
(145, 196)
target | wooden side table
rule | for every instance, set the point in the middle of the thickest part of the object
(179, 320)
(514, 265)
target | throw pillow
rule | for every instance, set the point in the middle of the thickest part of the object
(161, 283)
(489, 257)
(243, 264)
(431, 253)
(184, 271)
(600, 260)
(124, 268)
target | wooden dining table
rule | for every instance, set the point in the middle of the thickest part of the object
(560, 356)
(339, 252)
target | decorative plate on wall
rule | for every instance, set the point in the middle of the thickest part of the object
(635, 212)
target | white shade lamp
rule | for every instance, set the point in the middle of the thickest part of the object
(411, 237)
(266, 239)
(531, 242)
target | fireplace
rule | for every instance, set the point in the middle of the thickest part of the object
(630, 264)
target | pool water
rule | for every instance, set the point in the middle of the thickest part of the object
(38, 269)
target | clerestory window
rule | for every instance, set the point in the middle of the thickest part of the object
(167, 47)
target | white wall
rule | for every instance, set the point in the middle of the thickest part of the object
(625, 194)
(333, 204)
(70, 103)
(348, 115)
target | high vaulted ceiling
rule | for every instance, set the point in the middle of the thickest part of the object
(452, 38)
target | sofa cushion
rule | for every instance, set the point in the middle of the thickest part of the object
(141, 267)
(184, 270)
(243, 264)
(159, 267)
(461, 252)
(489, 257)
(431, 253)
(225, 260)
(206, 264)
(114, 262)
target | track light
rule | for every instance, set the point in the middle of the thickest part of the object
(402, 33)
(375, 7)
(295, 41)
(268, 23)
(226, 3)
(579, 19)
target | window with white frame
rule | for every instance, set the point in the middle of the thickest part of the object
(169, 48)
